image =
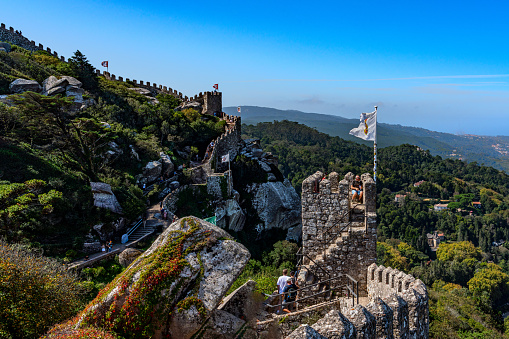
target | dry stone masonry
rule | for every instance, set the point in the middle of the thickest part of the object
(211, 101)
(339, 239)
(15, 37)
(227, 143)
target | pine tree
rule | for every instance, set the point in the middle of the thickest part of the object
(85, 71)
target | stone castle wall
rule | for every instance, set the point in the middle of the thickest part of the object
(396, 315)
(339, 239)
(16, 38)
(388, 283)
(170, 201)
(335, 242)
(211, 101)
(228, 142)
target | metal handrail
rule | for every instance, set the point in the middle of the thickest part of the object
(308, 287)
(135, 227)
(354, 289)
(328, 230)
(320, 267)
(308, 297)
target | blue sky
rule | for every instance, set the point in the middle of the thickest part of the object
(438, 65)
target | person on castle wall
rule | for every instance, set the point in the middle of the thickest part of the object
(357, 189)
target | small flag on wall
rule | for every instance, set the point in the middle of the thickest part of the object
(104, 63)
(225, 158)
(216, 86)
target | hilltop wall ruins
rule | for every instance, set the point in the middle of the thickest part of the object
(339, 247)
(211, 101)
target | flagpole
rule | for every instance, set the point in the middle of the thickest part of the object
(374, 148)
(230, 175)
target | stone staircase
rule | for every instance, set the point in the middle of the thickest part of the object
(141, 231)
(319, 269)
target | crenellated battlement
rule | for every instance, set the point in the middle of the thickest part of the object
(339, 247)
(226, 143)
(387, 282)
(16, 37)
(384, 281)
(211, 101)
(338, 235)
(143, 84)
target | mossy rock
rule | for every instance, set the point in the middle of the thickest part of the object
(173, 287)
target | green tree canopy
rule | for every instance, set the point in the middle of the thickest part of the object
(458, 251)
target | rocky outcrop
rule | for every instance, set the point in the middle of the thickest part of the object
(104, 232)
(244, 302)
(305, 332)
(191, 104)
(230, 216)
(174, 286)
(114, 150)
(24, 85)
(294, 233)
(128, 256)
(104, 197)
(52, 85)
(222, 325)
(72, 82)
(277, 204)
(155, 169)
(75, 92)
(152, 171)
(5, 47)
(335, 324)
(141, 91)
(168, 166)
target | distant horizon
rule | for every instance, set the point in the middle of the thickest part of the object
(339, 116)
(424, 65)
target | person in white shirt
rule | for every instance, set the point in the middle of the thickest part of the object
(281, 282)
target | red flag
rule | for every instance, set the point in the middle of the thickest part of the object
(216, 86)
(104, 63)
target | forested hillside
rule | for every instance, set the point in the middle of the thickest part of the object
(51, 150)
(488, 150)
(468, 272)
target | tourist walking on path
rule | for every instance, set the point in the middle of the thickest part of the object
(292, 276)
(281, 283)
(144, 218)
(290, 295)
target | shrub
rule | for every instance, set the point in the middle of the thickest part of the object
(67, 331)
(37, 292)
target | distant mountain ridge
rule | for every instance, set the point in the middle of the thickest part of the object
(488, 150)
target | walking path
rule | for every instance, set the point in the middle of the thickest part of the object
(154, 219)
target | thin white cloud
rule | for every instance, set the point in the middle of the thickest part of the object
(471, 76)
(481, 83)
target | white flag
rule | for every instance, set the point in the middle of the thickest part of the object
(225, 158)
(367, 127)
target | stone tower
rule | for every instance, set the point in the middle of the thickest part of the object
(338, 236)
